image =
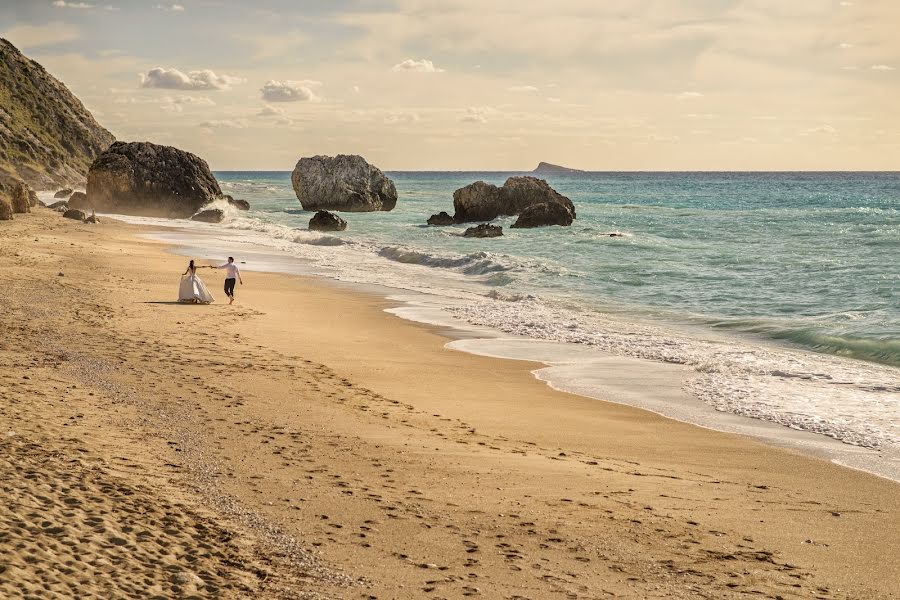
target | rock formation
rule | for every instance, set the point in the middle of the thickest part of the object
(326, 221)
(342, 183)
(140, 178)
(441, 219)
(63, 193)
(6, 212)
(545, 168)
(78, 200)
(74, 213)
(20, 200)
(33, 198)
(58, 205)
(545, 213)
(482, 201)
(485, 230)
(47, 138)
(238, 204)
(210, 215)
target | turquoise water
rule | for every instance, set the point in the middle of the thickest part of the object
(809, 259)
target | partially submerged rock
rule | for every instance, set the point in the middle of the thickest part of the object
(210, 215)
(442, 219)
(74, 213)
(79, 200)
(343, 183)
(482, 201)
(63, 193)
(546, 213)
(140, 178)
(326, 221)
(238, 204)
(485, 230)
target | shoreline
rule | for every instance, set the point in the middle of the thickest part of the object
(563, 373)
(412, 469)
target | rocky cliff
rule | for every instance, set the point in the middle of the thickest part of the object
(48, 139)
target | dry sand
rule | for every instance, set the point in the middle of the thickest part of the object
(304, 443)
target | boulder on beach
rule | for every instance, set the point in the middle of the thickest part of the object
(141, 178)
(63, 193)
(20, 200)
(326, 221)
(238, 204)
(56, 205)
(74, 213)
(482, 201)
(78, 200)
(485, 230)
(33, 198)
(210, 215)
(546, 213)
(92, 218)
(442, 219)
(343, 183)
(6, 212)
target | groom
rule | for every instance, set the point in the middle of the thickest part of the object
(232, 273)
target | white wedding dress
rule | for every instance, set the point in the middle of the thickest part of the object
(192, 289)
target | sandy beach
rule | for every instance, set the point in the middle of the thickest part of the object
(304, 443)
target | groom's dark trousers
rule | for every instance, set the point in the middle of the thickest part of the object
(229, 287)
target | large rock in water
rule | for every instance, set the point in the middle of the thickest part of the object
(482, 201)
(326, 221)
(78, 200)
(140, 178)
(485, 230)
(344, 183)
(210, 215)
(442, 219)
(546, 213)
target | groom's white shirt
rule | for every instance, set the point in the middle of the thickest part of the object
(231, 270)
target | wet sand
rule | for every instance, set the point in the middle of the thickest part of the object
(304, 443)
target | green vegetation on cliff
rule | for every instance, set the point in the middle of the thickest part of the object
(48, 139)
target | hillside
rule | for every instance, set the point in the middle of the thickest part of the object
(47, 137)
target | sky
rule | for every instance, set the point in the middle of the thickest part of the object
(485, 84)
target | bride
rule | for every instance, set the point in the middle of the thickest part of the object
(191, 289)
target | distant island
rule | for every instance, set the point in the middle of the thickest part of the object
(545, 168)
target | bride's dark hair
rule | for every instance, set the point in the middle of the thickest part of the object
(191, 264)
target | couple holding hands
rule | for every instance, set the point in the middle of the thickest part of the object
(192, 289)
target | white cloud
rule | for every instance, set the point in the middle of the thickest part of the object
(688, 95)
(224, 124)
(170, 7)
(882, 68)
(476, 114)
(177, 103)
(522, 88)
(173, 79)
(81, 5)
(823, 129)
(401, 117)
(270, 111)
(552, 99)
(290, 91)
(35, 36)
(418, 66)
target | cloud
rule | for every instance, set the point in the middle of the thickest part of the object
(270, 111)
(36, 36)
(688, 95)
(522, 88)
(173, 79)
(81, 5)
(882, 68)
(552, 99)
(224, 124)
(845, 46)
(171, 7)
(417, 66)
(401, 117)
(177, 103)
(822, 129)
(476, 114)
(290, 91)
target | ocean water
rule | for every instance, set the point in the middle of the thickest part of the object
(780, 291)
